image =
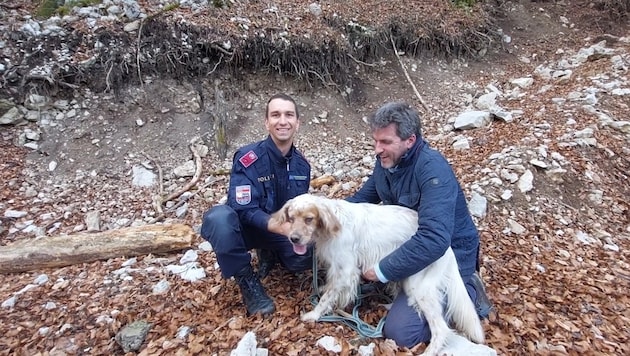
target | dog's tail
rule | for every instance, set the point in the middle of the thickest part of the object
(460, 308)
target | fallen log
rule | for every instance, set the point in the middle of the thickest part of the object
(321, 181)
(65, 250)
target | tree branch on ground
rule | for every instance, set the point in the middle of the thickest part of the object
(402, 65)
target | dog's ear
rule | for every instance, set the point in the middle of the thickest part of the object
(328, 224)
(281, 216)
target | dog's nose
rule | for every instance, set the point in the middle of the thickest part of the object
(295, 239)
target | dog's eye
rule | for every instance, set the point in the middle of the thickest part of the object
(291, 219)
(308, 220)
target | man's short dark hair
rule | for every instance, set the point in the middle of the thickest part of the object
(283, 97)
(405, 117)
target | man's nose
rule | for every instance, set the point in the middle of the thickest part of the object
(378, 149)
(283, 119)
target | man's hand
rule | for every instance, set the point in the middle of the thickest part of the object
(279, 228)
(370, 275)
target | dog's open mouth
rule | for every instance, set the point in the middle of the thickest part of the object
(299, 249)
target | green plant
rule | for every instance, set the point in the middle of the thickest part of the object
(220, 3)
(465, 4)
(171, 6)
(49, 8)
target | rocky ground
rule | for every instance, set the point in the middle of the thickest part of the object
(537, 131)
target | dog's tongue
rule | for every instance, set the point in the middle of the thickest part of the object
(299, 249)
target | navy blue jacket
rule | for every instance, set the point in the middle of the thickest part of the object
(424, 181)
(262, 180)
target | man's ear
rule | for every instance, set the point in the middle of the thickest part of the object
(412, 139)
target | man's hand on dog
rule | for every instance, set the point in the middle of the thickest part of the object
(279, 228)
(370, 275)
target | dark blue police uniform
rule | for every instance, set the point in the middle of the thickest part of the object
(261, 181)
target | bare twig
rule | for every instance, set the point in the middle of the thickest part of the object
(215, 66)
(157, 199)
(195, 178)
(219, 48)
(109, 72)
(72, 86)
(224, 324)
(162, 215)
(415, 90)
(138, 55)
(361, 62)
(40, 77)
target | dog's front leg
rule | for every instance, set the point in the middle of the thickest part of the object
(340, 290)
(324, 306)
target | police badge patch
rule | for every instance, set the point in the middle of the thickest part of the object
(243, 194)
(249, 158)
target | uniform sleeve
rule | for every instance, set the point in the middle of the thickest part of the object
(436, 221)
(245, 196)
(367, 193)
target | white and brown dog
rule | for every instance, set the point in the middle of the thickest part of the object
(352, 237)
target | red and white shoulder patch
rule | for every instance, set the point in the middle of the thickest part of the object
(248, 158)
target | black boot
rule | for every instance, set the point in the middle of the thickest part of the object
(254, 296)
(267, 260)
(482, 304)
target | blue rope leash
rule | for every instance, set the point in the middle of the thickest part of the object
(353, 320)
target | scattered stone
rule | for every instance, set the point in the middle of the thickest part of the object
(526, 182)
(10, 303)
(477, 205)
(181, 211)
(315, 9)
(205, 246)
(516, 227)
(190, 271)
(182, 332)
(185, 170)
(41, 279)
(189, 256)
(461, 143)
(161, 287)
(15, 214)
(472, 120)
(131, 337)
(329, 343)
(367, 350)
(11, 117)
(142, 177)
(93, 221)
(523, 82)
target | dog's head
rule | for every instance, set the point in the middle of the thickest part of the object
(311, 220)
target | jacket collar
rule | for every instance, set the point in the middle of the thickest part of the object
(275, 153)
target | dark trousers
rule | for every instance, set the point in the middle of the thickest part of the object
(231, 242)
(404, 325)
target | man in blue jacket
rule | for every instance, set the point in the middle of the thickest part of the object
(264, 176)
(410, 173)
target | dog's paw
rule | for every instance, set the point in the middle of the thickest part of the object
(311, 317)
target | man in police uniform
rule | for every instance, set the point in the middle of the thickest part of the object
(264, 176)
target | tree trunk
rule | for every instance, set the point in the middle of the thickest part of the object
(58, 251)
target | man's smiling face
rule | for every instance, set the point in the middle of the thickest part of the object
(281, 122)
(389, 147)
